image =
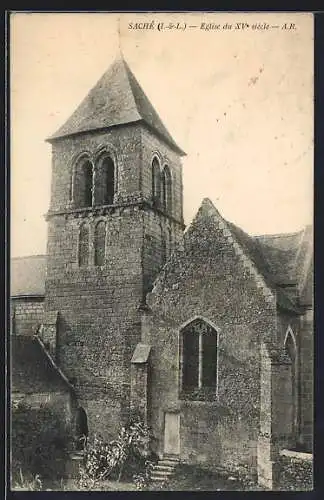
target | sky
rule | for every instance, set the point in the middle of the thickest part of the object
(238, 102)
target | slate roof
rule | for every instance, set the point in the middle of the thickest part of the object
(304, 266)
(31, 370)
(27, 276)
(116, 99)
(283, 241)
(281, 251)
(291, 260)
(276, 265)
(307, 290)
(283, 259)
(256, 252)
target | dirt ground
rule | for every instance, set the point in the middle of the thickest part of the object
(186, 478)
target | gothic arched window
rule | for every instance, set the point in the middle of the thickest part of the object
(83, 245)
(71, 187)
(83, 184)
(105, 181)
(99, 243)
(199, 360)
(166, 189)
(291, 350)
(156, 182)
(109, 169)
(87, 173)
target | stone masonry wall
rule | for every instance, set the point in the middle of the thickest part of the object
(307, 380)
(208, 279)
(155, 251)
(98, 306)
(27, 315)
(99, 323)
(275, 413)
(264, 450)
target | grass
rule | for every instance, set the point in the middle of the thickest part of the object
(70, 485)
(186, 478)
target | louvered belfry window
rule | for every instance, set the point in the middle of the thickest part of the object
(166, 188)
(156, 181)
(107, 181)
(81, 186)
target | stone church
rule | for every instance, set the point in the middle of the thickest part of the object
(205, 330)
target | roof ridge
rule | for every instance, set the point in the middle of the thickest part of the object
(277, 235)
(164, 132)
(128, 71)
(32, 256)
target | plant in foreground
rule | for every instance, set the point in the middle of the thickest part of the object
(33, 484)
(126, 456)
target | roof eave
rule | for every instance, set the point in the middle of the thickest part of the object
(56, 137)
(172, 144)
(28, 296)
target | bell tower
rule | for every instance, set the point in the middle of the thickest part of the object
(115, 214)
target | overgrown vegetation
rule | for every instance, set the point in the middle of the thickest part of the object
(32, 483)
(40, 446)
(39, 443)
(126, 458)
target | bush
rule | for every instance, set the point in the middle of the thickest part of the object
(126, 457)
(39, 442)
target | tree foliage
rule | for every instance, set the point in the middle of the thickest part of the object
(39, 442)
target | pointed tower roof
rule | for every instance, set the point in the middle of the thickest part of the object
(116, 99)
